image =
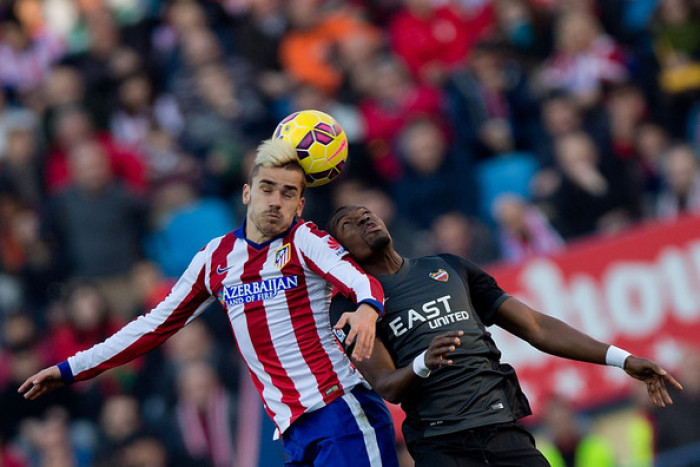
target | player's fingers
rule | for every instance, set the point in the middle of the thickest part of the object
(665, 396)
(361, 349)
(342, 321)
(25, 386)
(350, 338)
(369, 341)
(672, 381)
(33, 392)
(442, 349)
(658, 394)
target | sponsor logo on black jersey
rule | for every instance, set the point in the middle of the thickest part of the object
(440, 275)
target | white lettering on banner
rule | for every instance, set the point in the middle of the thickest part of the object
(634, 301)
(627, 299)
(685, 299)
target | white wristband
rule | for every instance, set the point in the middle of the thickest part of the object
(419, 367)
(616, 356)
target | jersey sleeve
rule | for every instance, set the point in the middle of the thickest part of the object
(327, 258)
(485, 293)
(188, 298)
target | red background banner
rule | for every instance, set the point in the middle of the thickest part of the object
(639, 290)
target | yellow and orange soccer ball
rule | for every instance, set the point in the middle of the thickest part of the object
(320, 143)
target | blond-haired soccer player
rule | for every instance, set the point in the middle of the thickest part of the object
(273, 276)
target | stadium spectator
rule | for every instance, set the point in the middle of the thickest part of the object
(681, 178)
(568, 441)
(524, 231)
(73, 125)
(120, 423)
(20, 164)
(457, 234)
(315, 32)
(48, 440)
(674, 32)
(146, 451)
(97, 226)
(651, 142)
(584, 60)
(433, 39)
(204, 417)
(25, 59)
(491, 106)
(436, 178)
(587, 199)
(390, 103)
(181, 223)
(141, 111)
(215, 93)
(677, 431)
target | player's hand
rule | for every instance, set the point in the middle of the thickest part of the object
(655, 377)
(41, 383)
(363, 322)
(440, 347)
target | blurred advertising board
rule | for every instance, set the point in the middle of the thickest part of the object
(639, 290)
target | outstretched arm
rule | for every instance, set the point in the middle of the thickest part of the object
(392, 383)
(188, 298)
(555, 337)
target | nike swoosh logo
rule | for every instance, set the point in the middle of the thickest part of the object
(219, 270)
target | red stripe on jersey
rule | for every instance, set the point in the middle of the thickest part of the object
(256, 382)
(152, 339)
(306, 333)
(260, 338)
(218, 259)
(375, 286)
(339, 284)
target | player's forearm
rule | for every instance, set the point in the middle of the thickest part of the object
(558, 338)
(393, 385)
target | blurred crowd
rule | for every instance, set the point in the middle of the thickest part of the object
(492, 129)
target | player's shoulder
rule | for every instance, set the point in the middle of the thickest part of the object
(216, 242)
(307, 230)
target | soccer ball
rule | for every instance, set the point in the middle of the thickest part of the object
(320, 142)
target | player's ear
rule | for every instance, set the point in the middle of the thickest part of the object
(300, 208)
(246, 194)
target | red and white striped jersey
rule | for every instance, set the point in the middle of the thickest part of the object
(277, 296)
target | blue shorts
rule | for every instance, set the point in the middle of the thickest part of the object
(354, 430)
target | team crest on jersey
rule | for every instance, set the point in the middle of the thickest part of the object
(440, 275)
(334, 245)
(282, 255)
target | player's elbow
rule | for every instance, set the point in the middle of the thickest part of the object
(388, 391)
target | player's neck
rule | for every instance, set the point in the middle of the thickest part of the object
(387, 261)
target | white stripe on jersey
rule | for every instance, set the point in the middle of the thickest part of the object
(270, 394)
(368, 433)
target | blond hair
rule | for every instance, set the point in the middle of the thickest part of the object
(275, 153)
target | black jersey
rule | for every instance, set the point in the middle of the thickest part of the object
(427, 297)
